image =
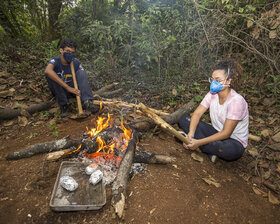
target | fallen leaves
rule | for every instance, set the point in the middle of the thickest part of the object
(211, 181)
(272, 199)
(196, 157)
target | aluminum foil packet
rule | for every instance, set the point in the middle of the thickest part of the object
(68, 183)
(96, 177)
(91, 168)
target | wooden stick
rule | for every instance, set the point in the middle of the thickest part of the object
(119, 103)
(151, 158)
(146, 124)
(164, 125)
(76, 87)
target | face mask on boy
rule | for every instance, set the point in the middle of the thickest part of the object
(68, 57)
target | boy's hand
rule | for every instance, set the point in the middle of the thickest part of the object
(74, 91)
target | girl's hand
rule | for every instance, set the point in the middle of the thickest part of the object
(194, 144)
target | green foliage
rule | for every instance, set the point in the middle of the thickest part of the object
(55, 132)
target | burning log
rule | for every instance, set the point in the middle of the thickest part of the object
(46, 147)
(120, 183)
(164, 125)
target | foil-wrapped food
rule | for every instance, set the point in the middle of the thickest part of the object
(96, 177)
(91, 168)
(68, 183)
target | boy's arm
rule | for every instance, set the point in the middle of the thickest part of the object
(49, 71)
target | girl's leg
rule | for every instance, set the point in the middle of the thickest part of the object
(228, 149)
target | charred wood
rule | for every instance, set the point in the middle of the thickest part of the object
(151, 158)
(45, 147)
(120, 183)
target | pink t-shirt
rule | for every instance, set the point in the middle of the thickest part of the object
(235, 108)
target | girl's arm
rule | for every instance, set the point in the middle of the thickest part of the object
(228, 128)
(200, 110)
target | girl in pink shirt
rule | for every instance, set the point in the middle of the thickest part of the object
(227, 137)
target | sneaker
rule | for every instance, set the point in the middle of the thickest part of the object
(64, 110)
(182, 133)
(89, 106)
(213, 158)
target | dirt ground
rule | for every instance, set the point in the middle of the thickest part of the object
(174, 193)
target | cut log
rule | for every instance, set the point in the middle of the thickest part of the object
(109, 93)
(146, 124)
(46, 147)
(58, 154)
(8, 113)
(120, 183)
(119, 103)
(105, 89)
(164, 125)
(151, 158)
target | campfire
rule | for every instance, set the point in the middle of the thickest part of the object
(105, 146)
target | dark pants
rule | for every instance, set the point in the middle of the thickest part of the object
(227, 149)
(62, 95)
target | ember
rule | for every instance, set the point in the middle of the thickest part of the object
(105, 146)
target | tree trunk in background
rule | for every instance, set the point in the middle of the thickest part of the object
(54, 7)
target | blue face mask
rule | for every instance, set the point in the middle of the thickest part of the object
(68, 57)
(215, 86)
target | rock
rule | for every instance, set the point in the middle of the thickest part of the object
(276, 137)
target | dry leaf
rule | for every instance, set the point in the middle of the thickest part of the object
(265, 132)
(174, 165)
(22, 121)
(250, 23)
(257, 191)
(21, 97)
(6, 93)
(272, 34)
(152, 211)
(272, 199)
(276, 137)
(212, 181)
(266, 174)
(12, 90)
(25, 113)
(9, 123)
(253, 152)
(174, 92)
(2, 87)
(197, 157)
(256, 33)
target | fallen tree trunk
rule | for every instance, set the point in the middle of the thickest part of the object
(146, 124)
(46, 147)
(120, 183)
(8, 113)
(164, 125)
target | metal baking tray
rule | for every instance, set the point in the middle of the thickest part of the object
(85, 197)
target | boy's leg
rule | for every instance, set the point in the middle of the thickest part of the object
(58, 92)
(86, 92)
